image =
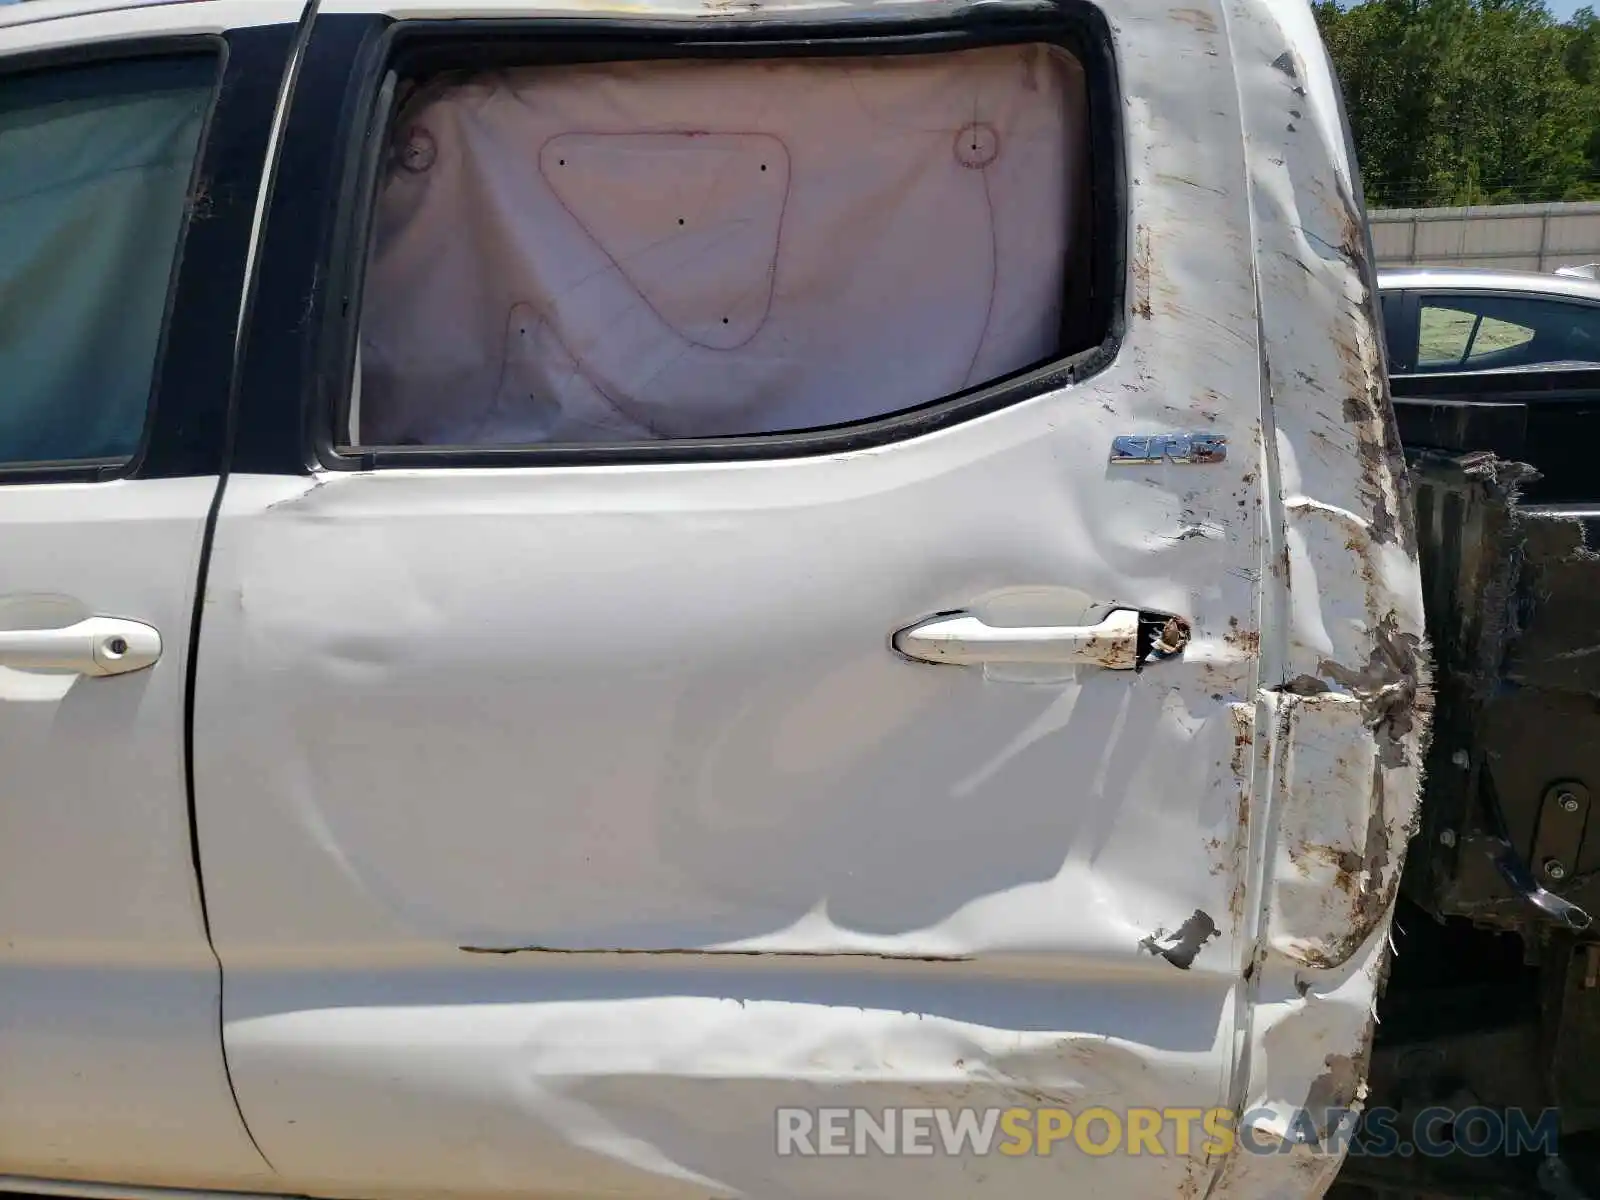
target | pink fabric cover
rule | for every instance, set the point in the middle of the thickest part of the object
(691, 248)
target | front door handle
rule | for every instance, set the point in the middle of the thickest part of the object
(96, 646)
(964, 640)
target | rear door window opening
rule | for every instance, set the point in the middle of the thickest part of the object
(730, 240)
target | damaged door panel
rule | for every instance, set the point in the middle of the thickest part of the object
(700, 650)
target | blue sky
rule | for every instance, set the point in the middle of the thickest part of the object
(1565, 8)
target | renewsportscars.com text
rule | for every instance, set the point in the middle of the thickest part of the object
(1213, 1132)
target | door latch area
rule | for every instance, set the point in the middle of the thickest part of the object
(1161, 636)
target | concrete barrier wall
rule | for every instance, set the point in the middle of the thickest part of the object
(1513, 237)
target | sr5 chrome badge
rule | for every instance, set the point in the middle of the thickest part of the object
(1169, 447)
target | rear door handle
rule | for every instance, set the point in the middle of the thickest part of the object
(964, 640)
(96, 646)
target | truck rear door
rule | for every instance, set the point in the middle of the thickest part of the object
(679, 645)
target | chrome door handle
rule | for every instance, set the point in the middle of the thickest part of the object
(966, 641)
(96, 646)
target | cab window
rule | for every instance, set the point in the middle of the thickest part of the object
(95, 169)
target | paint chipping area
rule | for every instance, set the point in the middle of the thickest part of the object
(1345, 815)
(1346, 774)
(1182, 945)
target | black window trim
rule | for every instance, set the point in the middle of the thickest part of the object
(295, 387)
(1407, 332)
(1398, 311)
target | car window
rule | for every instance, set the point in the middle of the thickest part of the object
(1495, 335)
(685, 255)
(1495, 332)
(95, 169)
(1443, 337)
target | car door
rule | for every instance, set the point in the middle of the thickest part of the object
(131, 148)
(567, 809)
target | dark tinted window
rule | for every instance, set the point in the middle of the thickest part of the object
(95, 169)
(1465, 332)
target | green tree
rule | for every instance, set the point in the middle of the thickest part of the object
(1468, 101)
(1582, 63)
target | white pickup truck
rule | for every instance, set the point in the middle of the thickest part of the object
(668, 598)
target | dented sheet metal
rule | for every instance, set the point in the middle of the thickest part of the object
(587, 817)
(1350, 707)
